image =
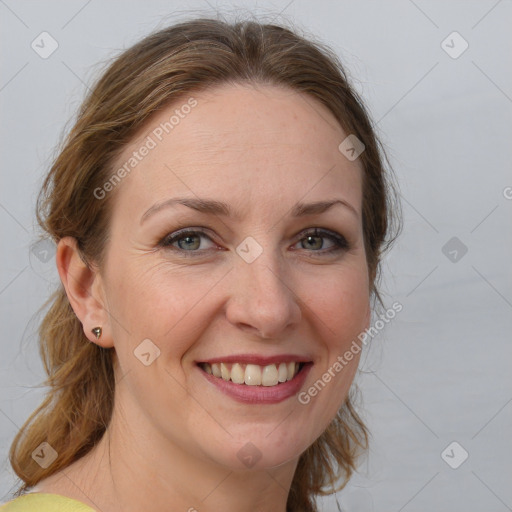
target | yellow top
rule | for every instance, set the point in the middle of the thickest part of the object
(44, 502)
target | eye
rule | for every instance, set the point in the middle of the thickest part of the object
(315, 240)
(188, 240)
(195, 241)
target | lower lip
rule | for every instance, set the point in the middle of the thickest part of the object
(260, 394)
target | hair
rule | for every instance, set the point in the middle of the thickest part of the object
(162, 68)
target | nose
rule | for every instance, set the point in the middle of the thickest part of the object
(263, 300)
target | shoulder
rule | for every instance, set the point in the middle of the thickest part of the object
(44, 502)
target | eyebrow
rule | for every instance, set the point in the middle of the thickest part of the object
(222, 209)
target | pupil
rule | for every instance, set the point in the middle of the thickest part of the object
(311, 240)
(189, 242)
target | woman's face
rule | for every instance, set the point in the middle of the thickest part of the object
(235, 276)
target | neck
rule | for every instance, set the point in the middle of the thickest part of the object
(129, 471)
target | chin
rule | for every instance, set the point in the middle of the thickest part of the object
(251, 450)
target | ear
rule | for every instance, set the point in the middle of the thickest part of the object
(85, 291)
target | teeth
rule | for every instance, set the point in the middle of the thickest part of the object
(283, 373)
(269, 375)
(224, 372)
(253, 374)
(237, 374)
(291, 370)
(216, 370)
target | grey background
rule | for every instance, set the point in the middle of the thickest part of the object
(440, 371)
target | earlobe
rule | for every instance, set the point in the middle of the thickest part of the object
(84, 289)
(97, 331)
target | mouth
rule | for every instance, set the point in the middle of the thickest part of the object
(252, 379)
(254, 374)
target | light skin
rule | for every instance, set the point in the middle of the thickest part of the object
(174, 437)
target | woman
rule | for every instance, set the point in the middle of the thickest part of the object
(220, 209)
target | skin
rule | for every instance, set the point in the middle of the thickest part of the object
(174, 437)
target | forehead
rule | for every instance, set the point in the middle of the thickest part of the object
(240, 143)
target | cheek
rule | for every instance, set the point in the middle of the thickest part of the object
(153, 302)
(341, 303)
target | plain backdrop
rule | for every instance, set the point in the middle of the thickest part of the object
(439, 373)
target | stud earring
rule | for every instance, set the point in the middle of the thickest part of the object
(97, 332)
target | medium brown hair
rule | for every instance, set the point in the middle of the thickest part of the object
(163, 67)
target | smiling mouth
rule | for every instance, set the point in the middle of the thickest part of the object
(252, 374)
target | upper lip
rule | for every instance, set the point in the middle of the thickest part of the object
(257, 359)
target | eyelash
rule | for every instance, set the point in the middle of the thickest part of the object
(340, 242)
